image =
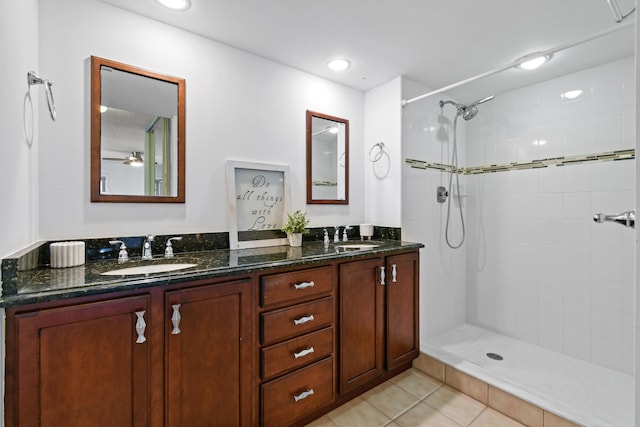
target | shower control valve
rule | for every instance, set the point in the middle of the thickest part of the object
(441, 194)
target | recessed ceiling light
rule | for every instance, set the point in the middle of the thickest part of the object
(180, 5)
(571, 94)
(339, 64)
(532, 61)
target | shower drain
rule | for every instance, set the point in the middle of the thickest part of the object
(494, 356)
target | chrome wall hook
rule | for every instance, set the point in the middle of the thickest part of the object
(34, 79)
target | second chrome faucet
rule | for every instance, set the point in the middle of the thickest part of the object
(147, 253)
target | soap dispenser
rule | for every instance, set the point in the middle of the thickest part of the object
(326, 237)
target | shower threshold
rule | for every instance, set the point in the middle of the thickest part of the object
(579, 391)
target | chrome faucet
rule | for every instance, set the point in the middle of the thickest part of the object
(146, 247)
(122, 254)
(168, 251)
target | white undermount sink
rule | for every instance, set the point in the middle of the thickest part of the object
(147, 269)
(357, 246)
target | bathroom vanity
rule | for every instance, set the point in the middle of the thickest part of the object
(271, 336)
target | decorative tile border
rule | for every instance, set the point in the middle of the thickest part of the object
(534, 164)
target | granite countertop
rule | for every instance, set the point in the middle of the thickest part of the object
(47, 284)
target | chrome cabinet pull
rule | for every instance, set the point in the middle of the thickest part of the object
(304, 285)
(303, 395)
(303, 320)
(140, 327)
(303, 353)
(175, 319)
(394, 273)
(382, 276)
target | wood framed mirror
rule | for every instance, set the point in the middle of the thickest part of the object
(137, 134)
(327, 159)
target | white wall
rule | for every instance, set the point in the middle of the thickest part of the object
(18, 162)
(427, 136)
(383, 179)
(539, 268)
(239, 106)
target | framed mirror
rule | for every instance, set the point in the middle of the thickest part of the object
(327, 159)
(137, 134)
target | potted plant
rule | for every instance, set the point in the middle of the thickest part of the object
(295, 226)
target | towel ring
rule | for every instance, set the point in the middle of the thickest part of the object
(34, 79)
(378, 155)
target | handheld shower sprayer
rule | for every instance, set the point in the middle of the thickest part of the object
(467, 112)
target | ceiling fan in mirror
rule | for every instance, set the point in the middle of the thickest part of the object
(135, 159)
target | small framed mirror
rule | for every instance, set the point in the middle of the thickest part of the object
(327, 159)
(137, 134)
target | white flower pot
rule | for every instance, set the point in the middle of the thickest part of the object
(295, 239)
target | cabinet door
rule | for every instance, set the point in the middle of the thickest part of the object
(402, 309)
(210, 355)
(84, 365)
(361, 323)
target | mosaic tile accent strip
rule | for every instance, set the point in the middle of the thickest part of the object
(534, 164)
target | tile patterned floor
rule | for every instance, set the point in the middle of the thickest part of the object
(413, 399)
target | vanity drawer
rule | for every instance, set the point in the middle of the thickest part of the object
(278, 325)
(288, 398)
(296, 285)
(296, 352)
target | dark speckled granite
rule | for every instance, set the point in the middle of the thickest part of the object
(46, 284)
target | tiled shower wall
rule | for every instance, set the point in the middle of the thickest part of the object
(425, 136)
(535, 266)
(538, 267)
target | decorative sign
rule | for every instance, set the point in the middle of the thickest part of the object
(258, 196)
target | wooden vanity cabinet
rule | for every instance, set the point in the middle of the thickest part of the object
(378, 318)
(361, 323)
(104, 363)
(209, 355)
(277, 348)
(80, 365)
(297, 344)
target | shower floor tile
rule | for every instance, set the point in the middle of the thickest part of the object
(574, 389)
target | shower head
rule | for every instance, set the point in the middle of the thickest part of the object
(467, 112)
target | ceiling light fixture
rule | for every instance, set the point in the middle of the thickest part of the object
(338, 64)
(571, 94)
(180, 5)
(532, 61)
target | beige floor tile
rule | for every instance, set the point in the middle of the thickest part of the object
(390, 399)
(455, 404)
(551, 420)
(467, 384)
(358, 413)
(322, 422)
(423, 415)
(392, 424)
(430, 366)
(516, 408)
(492, 418)
(416, 383)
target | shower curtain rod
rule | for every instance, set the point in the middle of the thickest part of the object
(517, 62)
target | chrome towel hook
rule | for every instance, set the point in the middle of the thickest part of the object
(34, 79)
